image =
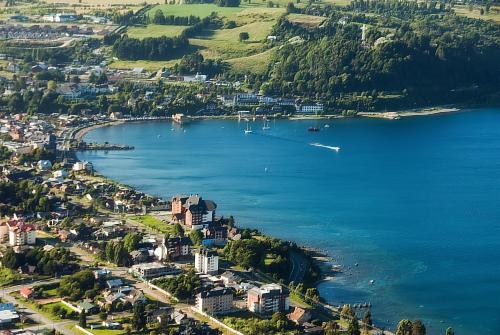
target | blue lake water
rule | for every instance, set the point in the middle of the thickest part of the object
(415, 202)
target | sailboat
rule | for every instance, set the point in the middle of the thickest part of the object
(266, 125)
(248, 130)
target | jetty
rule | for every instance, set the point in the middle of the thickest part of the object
(83, 146)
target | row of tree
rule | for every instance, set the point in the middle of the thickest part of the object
(151, 48)
(160, 18)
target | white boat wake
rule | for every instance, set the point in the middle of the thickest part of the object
(325, 146)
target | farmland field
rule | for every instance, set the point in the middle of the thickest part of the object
(201, 10)
(155, 30)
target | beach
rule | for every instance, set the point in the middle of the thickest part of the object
(410, 112)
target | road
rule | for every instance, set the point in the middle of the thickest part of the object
(299, 267)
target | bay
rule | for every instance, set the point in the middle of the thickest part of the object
(414, 202)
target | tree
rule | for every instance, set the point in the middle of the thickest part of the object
(159, 17)
(51, 85)
(353, 328)
(178, 230)
(347, 312)
(10, 259)
(367, 318)
(418, 328)
(83, 319)
(196, 237)
(312, 295)
(131, 241)
(405, 327)
(138, 318)
(244, 36)
(450, 331)
(103, 316)
(290, 7)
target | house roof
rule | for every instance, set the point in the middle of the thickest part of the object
(114, 283)
(26, 291)
(216, 292)
(86, 305)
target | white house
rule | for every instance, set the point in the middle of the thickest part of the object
(44, 165)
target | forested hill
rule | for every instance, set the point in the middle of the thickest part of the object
(423, 52)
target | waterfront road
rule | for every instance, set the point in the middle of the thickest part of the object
(299, 267)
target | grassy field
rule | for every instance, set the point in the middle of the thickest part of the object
(255, 63)
(254, 18)
(201, 10)
(148, 65)
(153, 223)
(8, 276)
(493, 14)
(155, 30)
(305, 20)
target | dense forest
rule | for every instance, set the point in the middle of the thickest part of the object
(429, 52)
(151, 48)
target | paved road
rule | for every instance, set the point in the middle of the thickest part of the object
(299, 267)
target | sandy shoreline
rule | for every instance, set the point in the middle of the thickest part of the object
(411, 112)
(80, 133)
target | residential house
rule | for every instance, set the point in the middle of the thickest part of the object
(268, 299)
(300, 315)
(160, 314)
(173, 247)
(216, 301)
(139, 256)
(134, 297)
(44, 165)
(206, 261)
(102, 273)
(229, 277)
(88, 307)
(26, 292)
(114, 283)
(152, 270)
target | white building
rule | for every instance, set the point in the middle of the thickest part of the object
(268, 299)
(310, 108)
(206, 261)
(216, 301)
(60, 17)
(82, 166)
(8, 314)
(20, 233)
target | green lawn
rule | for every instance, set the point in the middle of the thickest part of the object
(201, 10)
(153, 223)
(225, 44)
(254, 63)
(148, 65)
(155, 30)
(7, 276)
(306, 20)
(45, 310)
(493, 14)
